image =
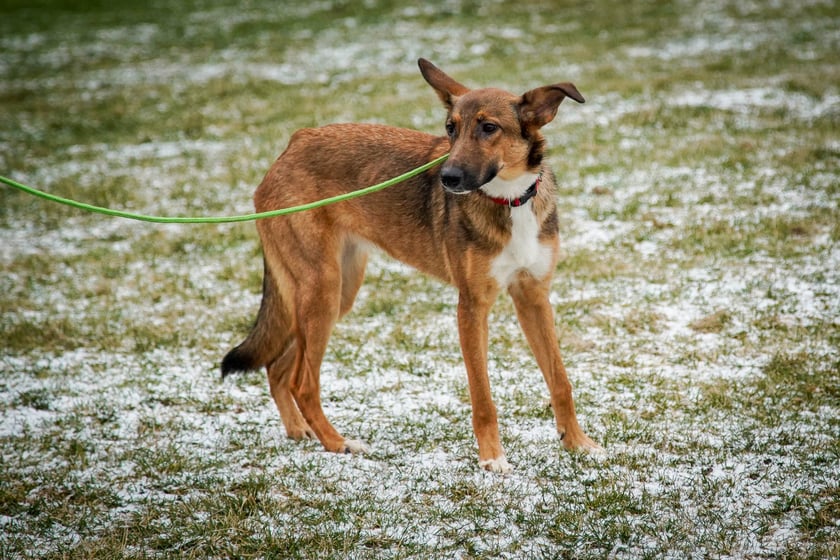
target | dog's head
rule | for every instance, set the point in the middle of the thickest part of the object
(493, 133)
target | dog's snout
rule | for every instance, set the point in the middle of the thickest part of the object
(452, 177)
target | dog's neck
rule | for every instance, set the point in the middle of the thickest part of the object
(515, 192)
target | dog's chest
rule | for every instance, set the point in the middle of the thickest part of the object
(524, 250)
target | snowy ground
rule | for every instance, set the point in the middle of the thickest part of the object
(698, 304)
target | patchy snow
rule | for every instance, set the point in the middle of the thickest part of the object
(393, 393)
(751, 99)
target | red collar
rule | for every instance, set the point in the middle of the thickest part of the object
(516, 202)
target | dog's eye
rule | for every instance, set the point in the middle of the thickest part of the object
(450, 128)
(489, 128)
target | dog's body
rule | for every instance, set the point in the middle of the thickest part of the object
(448, 223)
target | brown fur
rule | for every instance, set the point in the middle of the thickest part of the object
(315, 261)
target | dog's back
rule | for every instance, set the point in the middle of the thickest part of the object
(406, 220)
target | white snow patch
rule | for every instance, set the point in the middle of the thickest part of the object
(751, 99)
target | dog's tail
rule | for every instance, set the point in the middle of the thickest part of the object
(270, 336)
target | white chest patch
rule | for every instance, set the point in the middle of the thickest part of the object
(523, 251)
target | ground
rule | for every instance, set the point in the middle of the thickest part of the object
(697, 301)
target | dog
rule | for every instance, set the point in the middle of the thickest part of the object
(484, 221)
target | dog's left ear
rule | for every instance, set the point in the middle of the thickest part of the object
(447, 89)
(539, 106)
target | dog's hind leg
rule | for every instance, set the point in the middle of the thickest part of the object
(279, 376)
(318, 301)
(353, 263)
(530, 297)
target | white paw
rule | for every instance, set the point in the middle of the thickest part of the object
(497, 465)
(355, 446)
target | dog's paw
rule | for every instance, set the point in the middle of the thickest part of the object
(496, 465)
(579, 441)
(301, 433)
(354, 446)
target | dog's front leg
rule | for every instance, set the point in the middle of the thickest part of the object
(533, 308)
(472, 329)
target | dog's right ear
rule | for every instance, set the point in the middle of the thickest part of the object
(447, 89)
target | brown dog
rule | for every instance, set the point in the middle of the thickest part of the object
(485, 221)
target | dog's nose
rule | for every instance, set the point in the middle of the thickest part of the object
(451, 177)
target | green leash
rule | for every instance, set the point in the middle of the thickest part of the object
(225, 219)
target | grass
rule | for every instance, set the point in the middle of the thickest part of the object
(697, 301)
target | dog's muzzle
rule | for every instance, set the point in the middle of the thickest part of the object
(458, 181)
(452, 179)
